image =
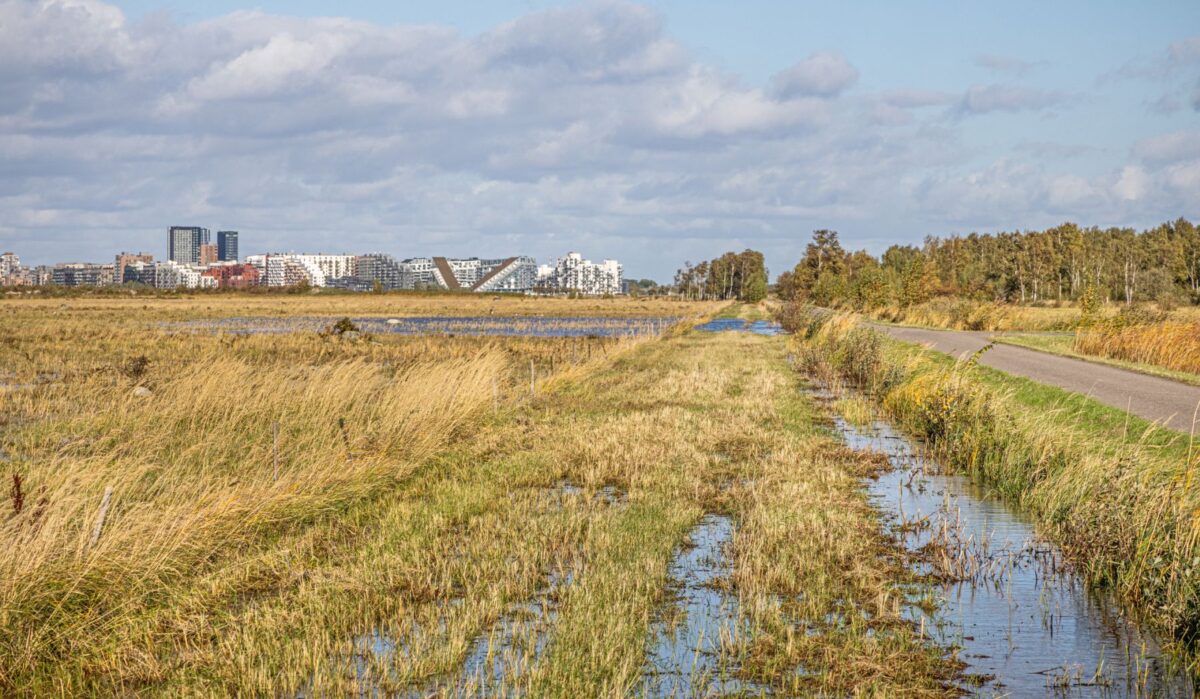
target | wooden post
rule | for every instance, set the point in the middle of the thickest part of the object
(104, 502)
(275, 449)
(495, 395)
(532, 378)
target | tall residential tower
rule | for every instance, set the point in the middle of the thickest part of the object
(185, 242)
(227, 246)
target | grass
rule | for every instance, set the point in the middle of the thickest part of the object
(965, 314)
(428, 512)
(1064, 345)
(1172, 345)
(1116, 493)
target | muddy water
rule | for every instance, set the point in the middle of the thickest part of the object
(1021, 619)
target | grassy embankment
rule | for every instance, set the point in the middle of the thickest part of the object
(411, 509)
(1119, 495)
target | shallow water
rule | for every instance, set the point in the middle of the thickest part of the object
(685, 657)
(510, 326)
(758, 327)
(1022, 618)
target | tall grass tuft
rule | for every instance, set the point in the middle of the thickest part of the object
(1170, 344)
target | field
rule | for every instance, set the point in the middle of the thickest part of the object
(327, 512)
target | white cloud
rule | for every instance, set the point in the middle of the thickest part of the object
(821, 74)
(1133, 184)
(283, 63)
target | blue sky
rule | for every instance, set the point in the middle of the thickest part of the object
(652, 132)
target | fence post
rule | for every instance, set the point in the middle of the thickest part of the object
(104, 502)
(495, 395)
(532, 378)
(275, 448)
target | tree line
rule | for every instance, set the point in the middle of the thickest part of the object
(741, 276)
(1063, 263)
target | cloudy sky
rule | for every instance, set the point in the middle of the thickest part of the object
(655, 133)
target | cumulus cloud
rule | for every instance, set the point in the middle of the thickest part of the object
(821, 74)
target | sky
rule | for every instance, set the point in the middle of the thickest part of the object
(654, 133)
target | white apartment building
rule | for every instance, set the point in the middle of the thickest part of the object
(573, 273)
(291, 269)
(169, 274)
(10, 264)
(330, 266)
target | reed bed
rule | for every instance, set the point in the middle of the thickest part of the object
(1169, 344)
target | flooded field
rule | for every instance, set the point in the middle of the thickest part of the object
(1026, 625)
(506, 326)
(758, 327)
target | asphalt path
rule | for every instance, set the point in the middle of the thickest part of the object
(1163, 401)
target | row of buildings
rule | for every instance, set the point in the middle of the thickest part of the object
(195, 262)
(520, 274)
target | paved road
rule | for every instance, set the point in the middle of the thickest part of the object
(1161, 400)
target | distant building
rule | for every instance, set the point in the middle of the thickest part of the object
(125, 259)
(208, 255)
(9, 264)
(172, 275)
(82, 274)
(510, 274)
(287, 270)
(227, 246)
(572, 273)
(11, 271)
(185, 243)
(139, 272)
(377, 267)
(234, 276)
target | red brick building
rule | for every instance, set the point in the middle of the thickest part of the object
(234, 276)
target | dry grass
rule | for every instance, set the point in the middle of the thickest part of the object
(963, 314)
(415, 523)
(1169, 344)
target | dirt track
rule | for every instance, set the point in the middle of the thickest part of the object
(1164, 401)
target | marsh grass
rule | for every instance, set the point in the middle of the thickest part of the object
(1167, 344)
(434, 527)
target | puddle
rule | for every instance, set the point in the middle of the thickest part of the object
(567, 492)
(497, 664)
(758, 327)
(500, 660)
(1020, 617)
(685, 657)
(511, 326)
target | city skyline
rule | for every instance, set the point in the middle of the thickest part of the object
(659, 131)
